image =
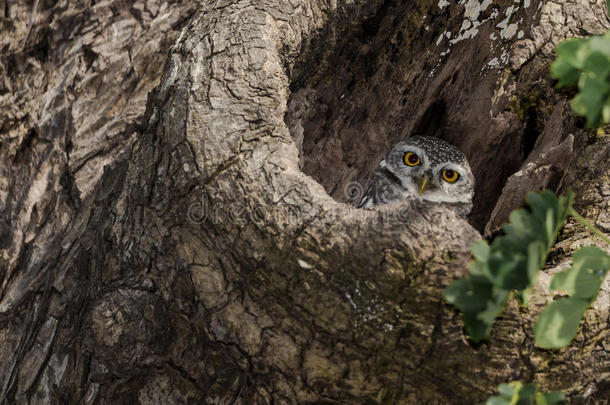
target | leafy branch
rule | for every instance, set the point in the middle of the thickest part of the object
(511, 263)
(519, 393)
(586, 62)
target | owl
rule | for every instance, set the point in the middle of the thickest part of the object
(422, 167)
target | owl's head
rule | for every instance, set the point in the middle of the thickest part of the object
(431, 169)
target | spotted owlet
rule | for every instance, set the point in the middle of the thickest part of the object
(422, 167)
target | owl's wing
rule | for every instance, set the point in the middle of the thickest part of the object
(368, 200)
(383, 188)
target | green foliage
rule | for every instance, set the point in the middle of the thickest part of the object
(517, 393)
(558, 323)
(509, 264)
(586, 62)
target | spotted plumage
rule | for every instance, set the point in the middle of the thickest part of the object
(422, 167)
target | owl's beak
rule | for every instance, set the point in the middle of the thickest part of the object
(423, 185)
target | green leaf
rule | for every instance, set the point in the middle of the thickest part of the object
(586, 61)
(538, 205)
(476, 329)
(606, 111)
(554, 398)
(590, 100)
(480, 303)
(495, 305)
(471, 298)
(536, 255)
(550, 225)
(550, 200)
(570, 50)
(565, 207)
(479, 269)
(565, 73)
(589, 267)
(524, 224)
(541, 203)
(469, 294)
(558, 323)
(480, 251)
(517, 393)
(599, 44)
(527, 394)
(506, 390)
(508, 272)
(597, 62)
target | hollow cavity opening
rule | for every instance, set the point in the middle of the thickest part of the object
(384, 79)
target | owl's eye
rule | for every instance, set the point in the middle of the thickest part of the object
(411, 159)
(450, 176)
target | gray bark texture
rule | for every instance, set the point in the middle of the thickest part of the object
(174, 180)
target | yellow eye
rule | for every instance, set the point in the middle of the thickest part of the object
(450, 176)
(411, 159)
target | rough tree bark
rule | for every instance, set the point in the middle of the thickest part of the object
(193, 245)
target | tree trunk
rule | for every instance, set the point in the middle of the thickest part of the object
(193, 244)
